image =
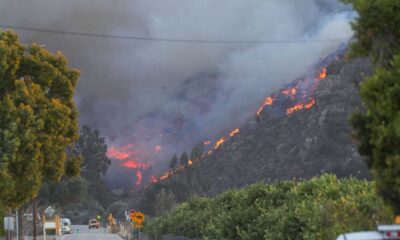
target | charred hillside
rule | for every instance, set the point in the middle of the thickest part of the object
(273, 147)
(301, 145)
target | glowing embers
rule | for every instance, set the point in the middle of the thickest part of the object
(135, 165)
(322, 74)
(234, 132)
(301, 106)
(219, 142)
(268, 101)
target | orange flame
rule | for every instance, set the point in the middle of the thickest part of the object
(117, 154)
(289, 91)
(219, 142)
(267, 102)
(310, 104)
(153, 179)
(300, 106)
(322, 74)
(135, 165)
(138, 178)
(190, 162)
(234, 132)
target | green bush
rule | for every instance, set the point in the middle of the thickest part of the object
(319, 208)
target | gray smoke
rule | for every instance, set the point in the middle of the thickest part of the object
(123, 80)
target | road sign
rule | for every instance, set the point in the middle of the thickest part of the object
(138, 225)
(9, 223)
(131, 213)
(138, 217)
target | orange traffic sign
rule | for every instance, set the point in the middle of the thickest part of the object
(138, 217)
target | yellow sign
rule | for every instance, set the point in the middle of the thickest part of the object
(138, 225)
(397, 220)
(137, 217)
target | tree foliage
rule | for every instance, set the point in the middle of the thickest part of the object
(377, 29)
(38, 117)
(378, 130)
(91, 147)
(320, 208)
(174, 162)
(92, 150)
(184, 159)
(165, 201)
(377, 33)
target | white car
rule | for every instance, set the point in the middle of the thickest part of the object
(65, 226)
(391, 232)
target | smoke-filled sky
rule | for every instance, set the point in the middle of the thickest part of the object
(123, 79)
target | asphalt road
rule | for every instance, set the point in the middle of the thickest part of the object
(81, 232)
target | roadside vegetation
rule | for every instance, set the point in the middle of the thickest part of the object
(319, 208)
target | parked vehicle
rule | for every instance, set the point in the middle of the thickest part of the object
(384, 232)
(65, 226)
(93, 223)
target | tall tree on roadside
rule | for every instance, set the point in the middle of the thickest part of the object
(38, 118)
(92, 150)
(377, 31)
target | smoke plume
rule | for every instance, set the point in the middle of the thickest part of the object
(129, 83)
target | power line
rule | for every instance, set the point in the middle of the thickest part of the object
(138, 38)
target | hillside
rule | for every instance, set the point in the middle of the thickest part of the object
(273, 147)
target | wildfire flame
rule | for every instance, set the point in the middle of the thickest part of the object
(117, 154)
(300, 106)
(290, 91)
(234, 132)
(322, 74)
(267, 102)
(135, 165)
(138, 178)
(219, 142)
(153, 179)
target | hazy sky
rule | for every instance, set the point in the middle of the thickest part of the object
(124, 79)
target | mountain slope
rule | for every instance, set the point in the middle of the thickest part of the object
(300, 145)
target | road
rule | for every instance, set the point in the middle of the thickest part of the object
(81, 232)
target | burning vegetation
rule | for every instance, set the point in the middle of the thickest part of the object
(296, 96)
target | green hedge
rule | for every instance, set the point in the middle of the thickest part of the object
(319, 208)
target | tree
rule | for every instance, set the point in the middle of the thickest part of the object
(173, 162)
(377, 32)
(117, 209)
(378, 130)
(165, 201)
(377, 29)
(184, 159)
(197, 152)
(38, 118)
(92, 150)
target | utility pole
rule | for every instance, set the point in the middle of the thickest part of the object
(17, 222)
(34, 218)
